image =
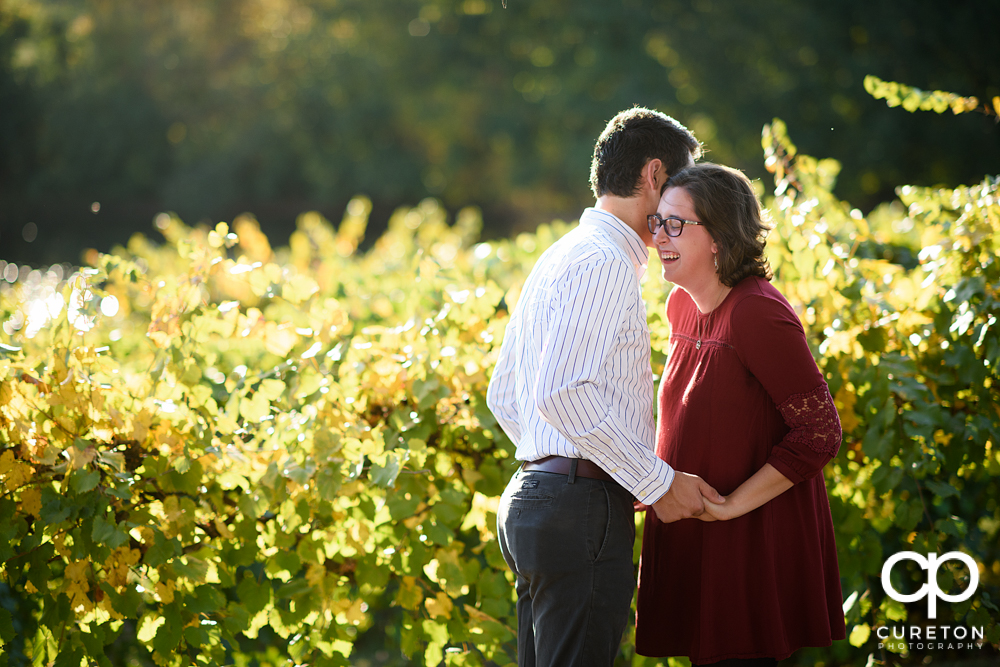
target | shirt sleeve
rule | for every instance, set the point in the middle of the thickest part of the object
(772, 346)
(501, 394)
(593, 306)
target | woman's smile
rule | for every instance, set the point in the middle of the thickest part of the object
(669, 256)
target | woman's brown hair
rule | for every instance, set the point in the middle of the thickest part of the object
(729, 209)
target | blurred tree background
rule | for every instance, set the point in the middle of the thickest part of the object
(113, 111)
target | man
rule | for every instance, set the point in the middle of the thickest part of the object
(573, 389)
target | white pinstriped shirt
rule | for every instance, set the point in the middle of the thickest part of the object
(573, 377)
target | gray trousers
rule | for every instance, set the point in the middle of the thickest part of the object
(569, 541)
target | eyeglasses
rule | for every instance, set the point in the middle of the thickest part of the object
(672, 226)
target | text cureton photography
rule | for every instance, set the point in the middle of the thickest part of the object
(930, 637)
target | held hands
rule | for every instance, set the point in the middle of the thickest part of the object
(689, 496)
(692, 497)
(717, 512)
(765, 485)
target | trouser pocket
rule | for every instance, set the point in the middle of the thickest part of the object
(598, 521)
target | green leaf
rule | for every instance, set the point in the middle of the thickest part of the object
(289, 561)
(236, 619)
(162, 549)
(39, 572)
(293, 588)
(952, 526)
(168, 635)
(6, 626)
(70, 656)
(187, 476)
(384, 474)
(206, 599)
(107, 532)
(254, 596)
(196, 636)
(941, 489)
(438, 533)
(82, 480)
(125, 603)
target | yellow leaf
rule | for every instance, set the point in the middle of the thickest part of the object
(315, 575)
(6, 392)
(148, 626)
(272, 388)
(298, 288)
(77, 594)
(31, 501)
(354, 613)
(160, 338)
(255, 408)
(223, 529)
(166, 591)
(845, 400)
(252, 240)
(439, 606)
(117, 565)
(478, 515)
(410, 593)
(6, 462)
(79, 458)
(942, 438)
(60, 544)
(114, 459)
(860, 634)
(279, 339)
(77, 571)
(479, 616)
(345, 648)
(471, 476)
(14, 472)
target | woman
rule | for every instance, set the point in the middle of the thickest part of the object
(743, 405)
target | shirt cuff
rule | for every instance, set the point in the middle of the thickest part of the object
(657, 485)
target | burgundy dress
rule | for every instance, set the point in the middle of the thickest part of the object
(766, 583)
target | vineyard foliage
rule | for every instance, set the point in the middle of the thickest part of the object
(217, 452)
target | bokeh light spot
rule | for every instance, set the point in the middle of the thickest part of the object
(419, 28)
(109, 306)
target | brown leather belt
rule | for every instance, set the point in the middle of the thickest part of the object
(563, 465)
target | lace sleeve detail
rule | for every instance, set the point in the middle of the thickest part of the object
(813, 420)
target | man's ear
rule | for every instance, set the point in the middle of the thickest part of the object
(651, 174)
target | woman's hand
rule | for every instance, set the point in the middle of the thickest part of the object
(763, 486)
(716, 512)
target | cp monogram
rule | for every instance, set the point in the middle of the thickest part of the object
(930, 589)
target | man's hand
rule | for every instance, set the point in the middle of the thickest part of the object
(686, 498)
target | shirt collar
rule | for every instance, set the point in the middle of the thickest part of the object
(623, 236)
